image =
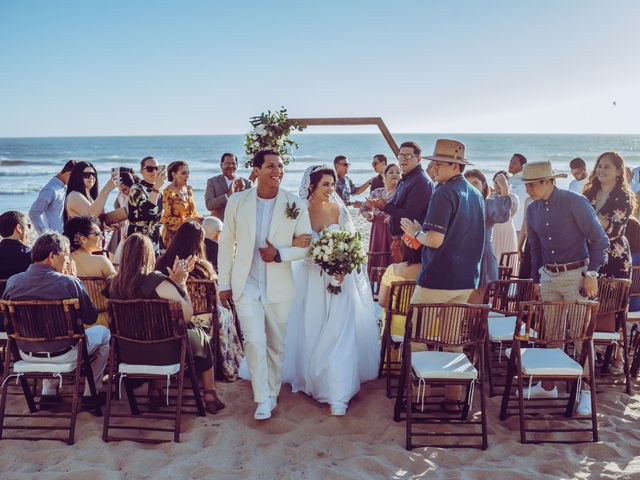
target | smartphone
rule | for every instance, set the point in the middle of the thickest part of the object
(115, 172)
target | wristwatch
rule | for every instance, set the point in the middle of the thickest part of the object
(417, 232)
(277, 258)
(590, 274)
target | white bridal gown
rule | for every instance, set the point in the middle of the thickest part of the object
(332, 343)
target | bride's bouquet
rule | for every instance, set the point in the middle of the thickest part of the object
(338, 252)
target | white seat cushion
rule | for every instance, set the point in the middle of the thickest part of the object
(548, 361)
(495, 314)
(633, 315)
(149, 369)
(397, 338)
(501, 328)
(32, 367)
(606, 336)
(3, 336)
(443, 365)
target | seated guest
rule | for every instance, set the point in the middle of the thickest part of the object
(45, 280)
(87, 241)
(84, 196)
(137, 279)
(15, 256)
(405, 271)
(179, 206)
(46, 211)
(212, 230)
(221, 187)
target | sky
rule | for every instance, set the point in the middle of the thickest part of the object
(76, 68)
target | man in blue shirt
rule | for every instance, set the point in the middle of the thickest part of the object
(453, 231)
(411, 198)
(568, 247)
(46, 211)
(344, 186)
(45, 280)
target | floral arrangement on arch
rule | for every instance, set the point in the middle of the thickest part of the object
(271, 130)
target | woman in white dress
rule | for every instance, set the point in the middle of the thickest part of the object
(505, 238)
(332, 343)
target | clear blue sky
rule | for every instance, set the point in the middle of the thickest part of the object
(204, 67)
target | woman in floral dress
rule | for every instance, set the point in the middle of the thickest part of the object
(614, 201)
(179, 204)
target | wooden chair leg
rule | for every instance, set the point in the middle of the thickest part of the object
(397, 410)
(483, 411)
(409, 411)
(592, 384)
(507, 387)
(131, 397)
(90, 380)
(625, 354)
(107, 413)
(76, 388)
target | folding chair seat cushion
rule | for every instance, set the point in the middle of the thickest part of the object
(3, 336)
(130, 368)
(606, 336)
(22, 366)
(443, 365)
(548, 361)
(496, 314)
(633, 315)
(501, 328)
(397, 338)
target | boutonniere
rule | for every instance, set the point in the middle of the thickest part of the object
(292, 211)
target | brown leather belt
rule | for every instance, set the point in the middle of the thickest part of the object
(564, 267)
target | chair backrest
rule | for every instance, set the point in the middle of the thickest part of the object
(203, 295)
(3, 285)
(505, 296)
(556, 323)
(613, 295)
(375, 280)
(635, 281)
(400, 295)
(95, 286)
(378, 259)
(34, 321)
(507, 265)
(446, 324)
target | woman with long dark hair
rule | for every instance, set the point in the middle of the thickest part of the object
(84, 196)
(137, 278)
(614, 201)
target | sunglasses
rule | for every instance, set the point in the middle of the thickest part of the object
(150, 168)
(88, 175)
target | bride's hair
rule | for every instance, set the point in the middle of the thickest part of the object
(316, 175)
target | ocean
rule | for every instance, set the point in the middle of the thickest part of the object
(26, 164)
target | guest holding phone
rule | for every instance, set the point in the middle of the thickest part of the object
(178, 202)
(145, 202)
(84, 196)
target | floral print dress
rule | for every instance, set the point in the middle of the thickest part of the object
(616, 209)
(144, 215)
(177, 210)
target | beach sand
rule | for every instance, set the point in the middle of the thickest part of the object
(302, 441)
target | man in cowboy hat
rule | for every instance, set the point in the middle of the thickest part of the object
(568, 247)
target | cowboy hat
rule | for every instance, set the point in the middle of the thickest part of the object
(450, 151)
(536, 171)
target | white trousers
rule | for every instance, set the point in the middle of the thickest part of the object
(264, 328)
(97, 338)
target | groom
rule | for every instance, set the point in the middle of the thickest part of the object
(254, 268)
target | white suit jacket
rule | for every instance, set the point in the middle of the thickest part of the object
(237, 241)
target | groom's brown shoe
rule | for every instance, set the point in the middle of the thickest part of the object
(263, 411)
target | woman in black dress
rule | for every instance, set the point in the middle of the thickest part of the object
(613, 201)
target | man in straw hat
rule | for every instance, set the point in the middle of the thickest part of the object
(568, 246)
(453, 234)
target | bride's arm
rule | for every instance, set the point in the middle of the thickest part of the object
(303, 227)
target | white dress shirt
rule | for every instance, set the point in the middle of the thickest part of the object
(520, 189)
(256, 286)
(577, 185)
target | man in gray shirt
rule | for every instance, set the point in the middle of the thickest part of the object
(45, 280)
(46, 211)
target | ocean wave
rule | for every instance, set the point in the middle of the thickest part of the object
(19, 191)
(16, 163)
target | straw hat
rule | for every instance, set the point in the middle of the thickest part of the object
(535, 171)
(450, 151)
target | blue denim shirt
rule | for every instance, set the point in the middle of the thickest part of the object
(46, 211)
(564, 229)
(457, 210)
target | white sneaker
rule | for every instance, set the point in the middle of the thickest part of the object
(263, 411)
(584, 404)
(537, 391)
(274, 402)
(338, 410)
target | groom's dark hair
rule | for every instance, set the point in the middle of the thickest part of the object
(258, 158)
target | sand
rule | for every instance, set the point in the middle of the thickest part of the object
(302, 441)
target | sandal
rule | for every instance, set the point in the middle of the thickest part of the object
(212, 406)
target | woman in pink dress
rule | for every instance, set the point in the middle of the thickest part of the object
(505, 238)
(380, 239)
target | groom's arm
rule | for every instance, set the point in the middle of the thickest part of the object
(227, 245)
(303, 227)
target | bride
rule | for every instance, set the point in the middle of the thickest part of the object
(331, 344)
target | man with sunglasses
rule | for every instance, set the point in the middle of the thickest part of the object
(145, 202)
(344, 186)
(15, 255)
(411, 199)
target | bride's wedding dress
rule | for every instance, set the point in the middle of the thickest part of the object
(332, 344)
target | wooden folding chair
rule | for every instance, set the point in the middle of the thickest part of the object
(95, 286)
(375, 280)
(634, 338)
(3, 333)
(30, 323)
(378, 259)
(504, 298)
(613, 299)
(442, 328)
(151, 329)
(400, 295)
(550, 330)
(508, 266)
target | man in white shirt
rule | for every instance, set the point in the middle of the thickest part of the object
(579, 172)
(518, 188)
(221, 187)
